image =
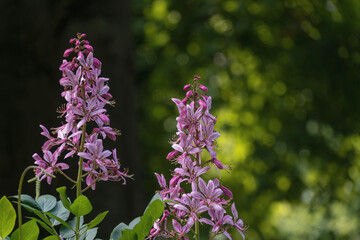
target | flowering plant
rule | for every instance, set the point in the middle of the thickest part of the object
(86, 94)
(172, 213)
(206, 202)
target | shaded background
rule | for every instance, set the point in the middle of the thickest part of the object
(284, 77)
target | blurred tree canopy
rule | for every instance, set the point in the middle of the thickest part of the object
(284, 77)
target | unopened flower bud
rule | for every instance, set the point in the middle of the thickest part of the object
(71, 41)
(184, 101)
(85, 42)
(77, 43)
(174, 180)
(227, 193)
(107, 96)
(189, 93)
(166, 213)
(105, 119)
(89, 48)
(83, 35)
(196, 77)
(96, 63)
(203, 104)
(202, 87)
(187, 87)
(171, 155)
(68, 52)
(218, 163)
(80, 54)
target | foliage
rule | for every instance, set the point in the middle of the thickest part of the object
(140, 227)
(7, 217)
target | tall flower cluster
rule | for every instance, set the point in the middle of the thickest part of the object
(86, 95)
(206, 203)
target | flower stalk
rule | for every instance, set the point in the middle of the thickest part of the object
(86, 94)
(206, 202)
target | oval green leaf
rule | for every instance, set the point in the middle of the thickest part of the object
(7, 217)
(30, 231)
(29, 201)
(46, 202)
(81, 206)
(61, 212)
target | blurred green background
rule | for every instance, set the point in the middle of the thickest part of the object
(284, 77)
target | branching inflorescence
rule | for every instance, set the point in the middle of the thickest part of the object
(208, 202)
(86, 95)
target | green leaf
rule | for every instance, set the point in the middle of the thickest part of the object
(133, 223)
(97, 220)
(129, 235)
(46, 202)
(59, 220)
(38, 213)
(91, 234)
(28, 200)
(117, 231)
(152, 213)
(44, 225)
(30, 231)
(140, 227)
(155, 197)
(61, 212)
(64, 199)
(81, 206)
(7, 217)
(67, 231)
(52, 237)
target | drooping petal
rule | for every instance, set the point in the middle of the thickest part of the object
(176, 226)
(181, 207)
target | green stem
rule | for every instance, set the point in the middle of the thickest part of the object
(78, 181)
(197, 232)
(90, 184)
(19, 194)
(66, 176)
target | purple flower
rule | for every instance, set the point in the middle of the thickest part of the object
(95, 152)
(49, 164)
(237, 223)
(219, 220)
(86, 95)
(195, 135)
(193, 206)
(182, 231)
